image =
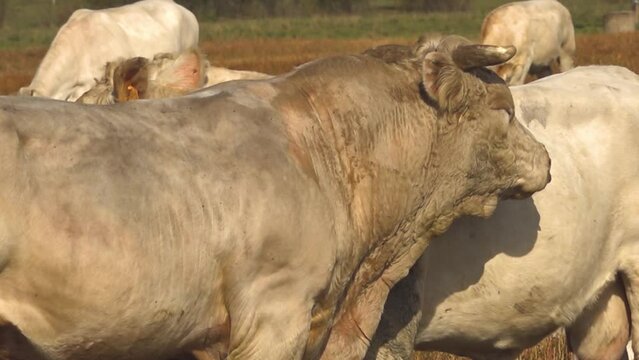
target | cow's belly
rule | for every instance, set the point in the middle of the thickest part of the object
(533, 272)
(504, 321)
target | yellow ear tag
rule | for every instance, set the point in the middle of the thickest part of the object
(132, 93)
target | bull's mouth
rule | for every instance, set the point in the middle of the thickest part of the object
(516, 193)
(524, 190)
(525, 187)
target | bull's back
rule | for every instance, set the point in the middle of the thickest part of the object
(143, 29)
(130, 198)
(164, 20)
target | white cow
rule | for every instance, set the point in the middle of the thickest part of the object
(542, 31)
(567, 257)
(90, 38)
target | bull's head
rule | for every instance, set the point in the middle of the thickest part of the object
(479, 129)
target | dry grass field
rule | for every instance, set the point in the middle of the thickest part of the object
(280, 55)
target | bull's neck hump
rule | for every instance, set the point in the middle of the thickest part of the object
(366, 135)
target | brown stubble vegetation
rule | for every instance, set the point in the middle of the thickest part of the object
(609, 49)
(276, 56)
(17, 68)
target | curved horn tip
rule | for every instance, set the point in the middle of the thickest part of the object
(508, 51)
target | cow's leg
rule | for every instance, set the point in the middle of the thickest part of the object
(567, 53)
(602, 330)
(520, 72)
(565, 61)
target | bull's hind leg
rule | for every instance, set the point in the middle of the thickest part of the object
(602, 330)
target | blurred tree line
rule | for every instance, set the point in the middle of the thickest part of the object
(56, 12)
(252, 8)
(33, 13)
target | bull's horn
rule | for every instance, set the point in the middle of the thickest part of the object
(473, 56)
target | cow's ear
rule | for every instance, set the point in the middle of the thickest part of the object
(185, 73)
(443, 81)
(130, 79)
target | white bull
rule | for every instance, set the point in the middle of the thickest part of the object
(261, 219)
(542, 31)
(567, 257)
(91, 38)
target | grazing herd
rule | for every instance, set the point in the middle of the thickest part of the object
(307, 215)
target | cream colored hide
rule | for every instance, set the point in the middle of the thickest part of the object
(261, 219)
(91, 38)
(541, 30)
(216, 75)
(567, 257)
(166, 75)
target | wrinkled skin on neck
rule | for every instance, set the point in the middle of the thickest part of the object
(403, 167)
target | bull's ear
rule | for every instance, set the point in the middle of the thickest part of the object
(130, 79)
(443, 81)
(185, 73)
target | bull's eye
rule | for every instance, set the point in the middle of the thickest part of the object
(509, 113)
